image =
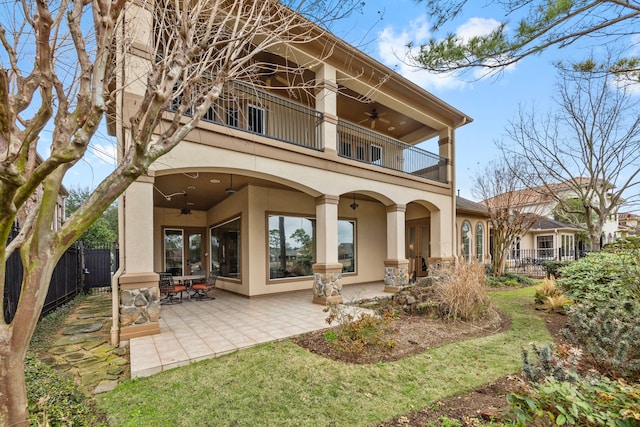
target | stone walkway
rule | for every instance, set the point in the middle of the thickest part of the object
(82, 349)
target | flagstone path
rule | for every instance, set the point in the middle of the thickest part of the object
(82, 349)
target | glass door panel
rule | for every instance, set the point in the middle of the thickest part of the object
(173, 251)
(417, 250)
(195, 265)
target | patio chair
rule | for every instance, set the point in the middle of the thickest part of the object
(202, 287)
(170, 289)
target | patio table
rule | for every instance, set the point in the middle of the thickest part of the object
(188, 281)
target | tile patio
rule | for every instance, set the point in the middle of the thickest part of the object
(199, 330)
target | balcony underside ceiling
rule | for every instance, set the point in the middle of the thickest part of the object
(206, 189)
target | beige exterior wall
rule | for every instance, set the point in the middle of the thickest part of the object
(473, 221)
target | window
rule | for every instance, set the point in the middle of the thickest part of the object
(225, 249)
(480, 242)
(345, 149)
(292, 246)
(346, 245)
(515, 249)
(466, 241)
(256, 119)
(210, 114)
(545, 246)
(376, 155)
(568, 245)
(173, 251)
(232, 117)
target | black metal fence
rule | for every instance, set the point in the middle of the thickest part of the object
(79, 269)
(531, 262)
(100, 262)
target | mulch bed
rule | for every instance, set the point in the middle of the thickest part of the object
(415, 335)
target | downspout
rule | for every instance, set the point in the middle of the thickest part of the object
(454, 232)
(115, 290)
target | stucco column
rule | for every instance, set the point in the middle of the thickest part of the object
(139, 292)
(327, 103)
(442, 242)
(446, 150)
(396, 266)
(327, 271)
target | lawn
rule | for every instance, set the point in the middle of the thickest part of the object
(281, 384)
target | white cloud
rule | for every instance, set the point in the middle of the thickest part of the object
(104, 152)
(476, 27)
(394, 53)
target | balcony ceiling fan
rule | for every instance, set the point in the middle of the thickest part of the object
(373, 117)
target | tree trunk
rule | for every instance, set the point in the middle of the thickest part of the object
(13, 392)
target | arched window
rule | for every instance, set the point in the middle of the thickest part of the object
(466, 240)
(480, 242)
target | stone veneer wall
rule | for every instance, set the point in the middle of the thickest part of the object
(139, 306)
(396, 277)
(327, 285)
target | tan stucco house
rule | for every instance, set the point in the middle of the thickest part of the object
(279, 193)
(472, 222)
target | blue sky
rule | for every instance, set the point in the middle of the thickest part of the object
(382, 30)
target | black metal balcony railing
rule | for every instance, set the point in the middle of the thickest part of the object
(243, 107)
(246, 108)
(365, 145)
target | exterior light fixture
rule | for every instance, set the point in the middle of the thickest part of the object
(354, 205)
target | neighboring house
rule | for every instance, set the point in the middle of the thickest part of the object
(547, 239)
(628, 224)
(472, 221)
(371, 184)
(539, 203)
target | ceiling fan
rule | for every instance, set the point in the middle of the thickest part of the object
(230, 190)
(373, 117)
(186, 210)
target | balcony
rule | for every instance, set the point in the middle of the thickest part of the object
(246, 108)
(365, 145)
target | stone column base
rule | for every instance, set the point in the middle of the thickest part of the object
(326, 284)
(396, 274)
(139, 305)
(440, 263)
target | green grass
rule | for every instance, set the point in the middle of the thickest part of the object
(282, 384)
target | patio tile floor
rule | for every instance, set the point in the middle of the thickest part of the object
(199, 330)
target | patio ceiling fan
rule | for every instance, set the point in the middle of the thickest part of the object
(373, 117)
(186, 210)
(230, 190)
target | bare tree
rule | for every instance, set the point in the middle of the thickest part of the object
(544, 25)
(512, 209)
(589, 149)
(58, 62)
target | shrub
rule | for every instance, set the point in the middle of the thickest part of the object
(610, 334)
(463, 294)
(593, 402)
(547, 289)
(353, 335)
(554, 267)
(606, 289)
(629, 243)
(601, 277)
(558, 395)
(550, 296)
(508, 279)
